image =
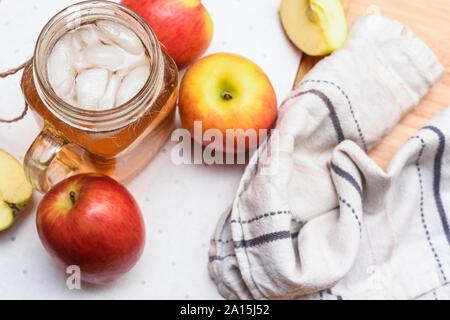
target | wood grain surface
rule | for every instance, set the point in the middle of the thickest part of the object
(429, 20)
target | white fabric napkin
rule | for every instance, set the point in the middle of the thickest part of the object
(314, 216)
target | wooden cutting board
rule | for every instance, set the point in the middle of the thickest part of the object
(430, 21)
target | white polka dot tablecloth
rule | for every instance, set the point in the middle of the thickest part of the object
(181, 203)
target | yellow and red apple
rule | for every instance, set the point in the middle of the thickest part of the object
(184, 27)
(15, 190)
(227, 91)
(317, 27)
(93, 222)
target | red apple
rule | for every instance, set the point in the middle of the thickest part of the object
(92, 221)
(184, 27)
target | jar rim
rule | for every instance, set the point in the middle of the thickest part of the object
(112, 118)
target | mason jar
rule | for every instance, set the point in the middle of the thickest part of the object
(117, 142)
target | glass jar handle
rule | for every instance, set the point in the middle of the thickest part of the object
(40, 158)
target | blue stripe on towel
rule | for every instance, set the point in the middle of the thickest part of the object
(347, 176)
(422, 213)
(437, 180)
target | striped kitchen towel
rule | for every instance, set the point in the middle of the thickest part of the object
(314, 217)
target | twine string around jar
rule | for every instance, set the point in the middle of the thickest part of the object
(7, 74)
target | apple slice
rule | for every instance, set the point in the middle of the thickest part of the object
(15, 190)
(317, 27)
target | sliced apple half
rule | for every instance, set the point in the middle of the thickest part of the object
(15, 190)
(317, 27)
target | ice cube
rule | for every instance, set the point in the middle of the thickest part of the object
(71, 97)
(109, 99)
(132, 84)
(88, 35)
(59, 66)
(104, 56)
(122, 36)
(71, 100)
(78, 46)
(77, 43)
(132, 62)
(91, 86)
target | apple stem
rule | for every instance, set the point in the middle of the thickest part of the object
(227, 96)
(72, 196)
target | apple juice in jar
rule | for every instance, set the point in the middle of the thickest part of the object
(104, 91)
